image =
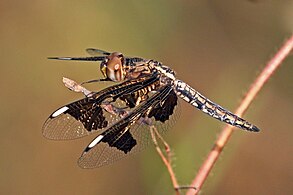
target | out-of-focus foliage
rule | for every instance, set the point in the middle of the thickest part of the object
(218, 47)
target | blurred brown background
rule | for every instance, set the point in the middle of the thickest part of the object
(218, 47)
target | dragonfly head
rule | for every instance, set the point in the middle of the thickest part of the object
(112, 67)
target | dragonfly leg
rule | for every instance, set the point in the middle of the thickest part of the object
(107, 106)
(94, 81)
(145, 120)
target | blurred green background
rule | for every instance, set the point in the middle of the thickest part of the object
(218, 47)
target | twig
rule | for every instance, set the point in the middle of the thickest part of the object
(166, 160)
(226, 133)
(166, 145)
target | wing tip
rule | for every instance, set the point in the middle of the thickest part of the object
(59, 58)
(92, 51)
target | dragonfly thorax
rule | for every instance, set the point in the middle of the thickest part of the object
(164, 70)
(112, 67)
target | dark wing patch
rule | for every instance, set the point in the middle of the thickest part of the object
(89, 113)
(165, 109)
(123, 140)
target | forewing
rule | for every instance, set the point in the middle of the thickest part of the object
(86, 116)
(94, 58)
(131, 134)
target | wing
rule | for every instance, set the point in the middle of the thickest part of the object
(96, 52)
(94, 58)
(130, 134)
(85, 116)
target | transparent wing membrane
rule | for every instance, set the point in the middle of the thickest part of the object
(85, 116)
(96, 52)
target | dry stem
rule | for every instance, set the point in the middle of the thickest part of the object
(166, 159)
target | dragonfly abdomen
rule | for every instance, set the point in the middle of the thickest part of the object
(199, 101)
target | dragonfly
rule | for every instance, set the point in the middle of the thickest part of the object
(145, 94)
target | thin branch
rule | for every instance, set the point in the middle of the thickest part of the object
(166, 145)
(166, 160)
(212, 157)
